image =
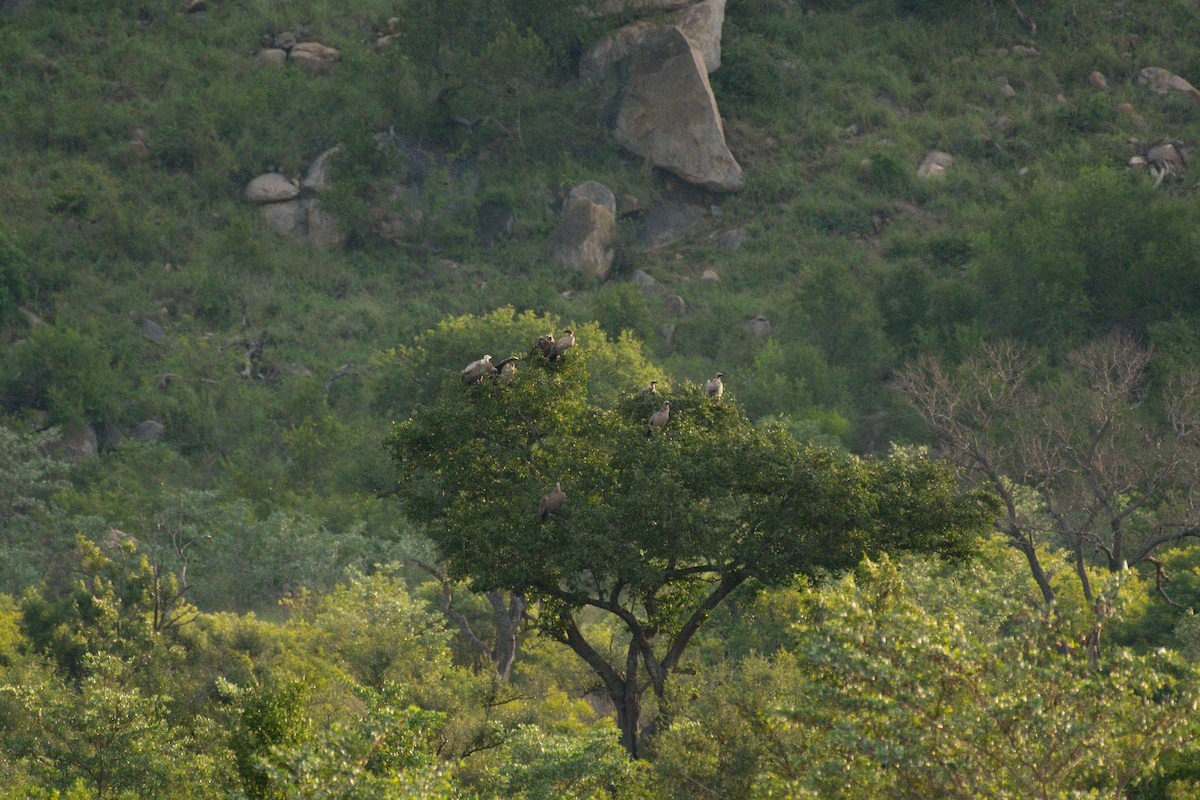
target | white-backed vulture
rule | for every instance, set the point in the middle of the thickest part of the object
(552, 502)
(659, 418)
(649, 389)
(562, 344)
(715, 387)
(474, 372)
(546, 344)
(507, 370)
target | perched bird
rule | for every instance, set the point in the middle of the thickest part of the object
(507, 370)
(650, 389)
(715, 387)
(474, 372)
(552, 502)
(659, 418)
(546, 344)
(562, 344)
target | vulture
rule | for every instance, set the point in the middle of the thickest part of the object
(474, 372)
(552, 502)
(507, 369)
(714, 387)
(562, 344)
(546, 344)
(659, 418)
(649, 389)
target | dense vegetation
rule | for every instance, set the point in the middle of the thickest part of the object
(261, 599)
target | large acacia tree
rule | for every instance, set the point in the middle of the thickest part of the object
(658, 528)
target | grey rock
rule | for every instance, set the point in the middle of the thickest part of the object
(583, 240)
(734, 239)
(667, 334)
(152, 331)
(287, 219)
(271, 57)
(317, 178)
(595, 191)
(148, 430)
(935, 165)
(668, 222)
(1097, 79)
(272, 187)
(665, 112)
(758, 325)
(648, 283)
(1161, 81)
(674, 305)
(285, 40)
(313, 57)
(77, 443)
(710, 276)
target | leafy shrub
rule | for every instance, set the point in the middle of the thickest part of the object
(63, 371)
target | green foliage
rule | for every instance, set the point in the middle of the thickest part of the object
(14, 269)
(61, 370)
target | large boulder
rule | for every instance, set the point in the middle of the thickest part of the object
(700, 22)
(595, 191)
(583, 240)
(1161, 81)
(317, 178)
(665, 112)
(287, 219)
(273, 187)
(313, 56)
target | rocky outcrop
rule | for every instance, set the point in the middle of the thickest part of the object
(291, 209)
(1162, 81)
(583, 240)
(285, 48)
(629, 7)
(701, 23)
(665, 112)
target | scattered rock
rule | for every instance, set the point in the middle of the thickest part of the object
(710, 276)
(674, 305)
(152, 331)
(1028, 52)
(285, 40)
(317, 178)
(734, 239)
(648, 283)
(196, 6)
(758, 325)
(583, 240)
(495, 222)
(1097, 79)
(665, 112)
(1006, 89)
(1003, 124)
(1161, 81)
(272, 187)
(668, 222)
(935, 165)
(313, 56)
(271, 57)
(148, 430)
(595, 191)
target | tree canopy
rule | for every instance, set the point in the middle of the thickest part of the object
(659, 524)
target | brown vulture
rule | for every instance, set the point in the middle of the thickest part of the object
(562, 344)
(651, 388)
(546, 344)
(552, 502)
(659, 418)
(715, 387)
